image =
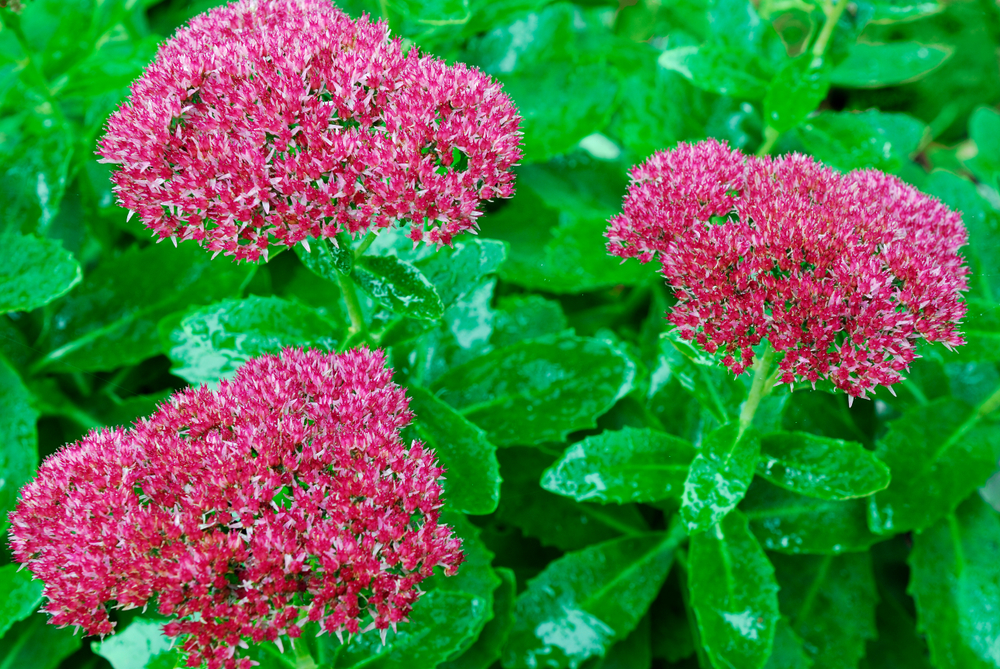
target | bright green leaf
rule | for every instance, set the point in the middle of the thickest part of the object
(585, 601)
(897, 11)
(540, 390)
(796, 91)
(472, 474)
(956, 585)
(791, 523)
(984, 130)
(820, 466)
(399, 286)
(733, 594)
(938, 454)
(719, 476)
(631, 465)
(34, 272)
(787, 652)
(111, 319)
(830, 603)
(18, 438)
(139, 646)
(212, 342)
(326, 257)
(486, 650)
(855, 140)
(880, 65)
(21, 595)
(36, 644)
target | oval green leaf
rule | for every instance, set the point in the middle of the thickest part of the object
(719, 476)
(538, 391)
(18, 438)
(326, 257)
(399, 286)
(879, 65)
(631, 465)
(796, 91)
(34, 272)
(733, 594)
(21, 595)
(820, 467)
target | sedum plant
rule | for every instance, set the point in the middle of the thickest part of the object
(400, 415)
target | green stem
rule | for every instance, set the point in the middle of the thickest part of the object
(991, 404)
(365, 243)
(833, 13)
(770, 137)
(303, 660)
(761, 386)
(353, 305)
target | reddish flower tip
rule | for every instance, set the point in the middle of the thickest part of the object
(840, 273)
(269, 121)
(285, 497)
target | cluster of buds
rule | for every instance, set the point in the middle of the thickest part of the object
(286, 496)
(270, 121)
(841, 273)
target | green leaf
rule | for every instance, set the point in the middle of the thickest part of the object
(520, 317)
(700, 374)
(830, 603)
(631, 465)
(440, 622)
(718, 68)
(820, 466)
(21, 595)
(856, 140)
(486, 650)
(880, 65)
(981, 329)
(459, 270)
(538, 391)
(552, 519)
(897, 11)
(18, 438)
(733, 594)
(326, 257)
(787, 652)
(791, 523)
(585, 601)
(632, 651)
(36, 644)
(399, 286)
(956, 585)
(111, 319)
(720, 475)
(984, 130)
(472, 474)
(796, 91)
(35, 272)
(210, 343)
(141, 646)
(938, 454)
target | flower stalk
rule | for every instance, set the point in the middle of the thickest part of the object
(763, 382)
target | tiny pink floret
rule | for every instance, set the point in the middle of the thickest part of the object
(286, 496)
(841, 273)
(269, 121)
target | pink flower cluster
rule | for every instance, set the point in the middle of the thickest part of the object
(285, 497)
(842, 273)
(269, 121)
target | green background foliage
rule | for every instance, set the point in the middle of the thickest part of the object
(614, 514)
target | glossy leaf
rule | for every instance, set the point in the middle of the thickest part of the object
(22, 594)
(18, 438)
(34, 272)
(938, 454)
(632, 651)
(631, 465)
(212, 342)
(984, 130)
(553, 519)
(459, 270)
(981, 329)
(856, 140)
(142, 645)
(733, 594)
(787, 652)
(487, 648)
(326, 257)
(790, 523)
(796, 91)
(956, 586)
(878, 65)
(472, 474)
(700, 374)
(111, 319)
(719, 476)
(434, 631)
(895, 11)
(538, 391)
(585, 601)
(820, 466)
(520, 317)
(399, 286)
(830, 603)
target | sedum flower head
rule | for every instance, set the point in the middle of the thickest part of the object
(842, 273)
(269, 121)
(284, 497)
